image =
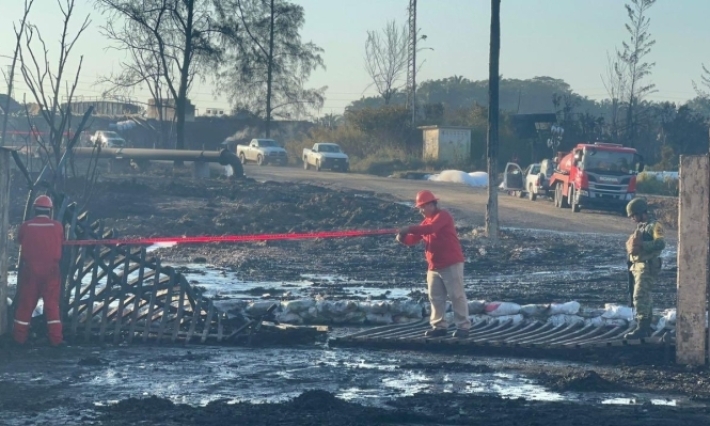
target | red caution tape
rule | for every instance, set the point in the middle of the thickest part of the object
(227, 238)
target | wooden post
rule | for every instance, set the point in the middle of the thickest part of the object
(4, 230)
(493, 116)
(693, 237)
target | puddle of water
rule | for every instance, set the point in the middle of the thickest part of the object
(652, 400)
(200, 375)
(225, 284)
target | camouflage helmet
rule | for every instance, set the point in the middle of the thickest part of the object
(636, 206)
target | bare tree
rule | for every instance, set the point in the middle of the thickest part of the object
(616, 87)
(143, 68)
(703, 88)
(11, 75)
(492, 226)
(179, 34)
(268, 64)
(632, 57)
(386, 59)
(45, 83)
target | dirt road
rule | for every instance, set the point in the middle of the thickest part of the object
(470, 203)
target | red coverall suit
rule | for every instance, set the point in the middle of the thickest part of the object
(41, 240)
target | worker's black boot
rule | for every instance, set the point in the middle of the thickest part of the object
(642, 330)
(436, 332)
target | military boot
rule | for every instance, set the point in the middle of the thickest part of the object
(642, 330)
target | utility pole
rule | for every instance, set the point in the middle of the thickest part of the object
(412, 61)
(492, 226)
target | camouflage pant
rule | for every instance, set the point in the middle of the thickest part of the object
(645, 276)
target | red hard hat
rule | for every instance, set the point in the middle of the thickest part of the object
(44, 202)
(424, 197)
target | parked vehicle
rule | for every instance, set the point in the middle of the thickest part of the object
(325, 156)
(108, 139)
(262, 151)
(513, 180)
(601, 175)
(537, 178)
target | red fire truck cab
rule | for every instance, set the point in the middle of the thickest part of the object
(596, 175)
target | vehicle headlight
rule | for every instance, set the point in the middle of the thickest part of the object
(584, 192)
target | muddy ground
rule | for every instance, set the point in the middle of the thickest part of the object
(318, 385)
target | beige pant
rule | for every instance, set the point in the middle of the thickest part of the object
(443, 282)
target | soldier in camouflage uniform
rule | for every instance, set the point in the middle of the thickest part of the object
(644, 248)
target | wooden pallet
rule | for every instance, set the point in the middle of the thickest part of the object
(123, 294)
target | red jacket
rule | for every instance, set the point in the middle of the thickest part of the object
(41, 240)
(443, 248)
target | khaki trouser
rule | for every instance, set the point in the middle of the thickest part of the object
(443, 282)
(645, 276)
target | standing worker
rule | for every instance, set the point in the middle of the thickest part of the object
(41, 241)
(445, 259)
(644, 248)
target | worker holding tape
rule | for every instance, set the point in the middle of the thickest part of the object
(41, 241)
(445, 260)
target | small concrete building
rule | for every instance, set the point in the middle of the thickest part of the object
(449, 144)
(168, 107)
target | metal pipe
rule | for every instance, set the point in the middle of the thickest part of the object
(223, 157)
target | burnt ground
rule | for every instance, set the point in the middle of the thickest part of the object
(528, 266)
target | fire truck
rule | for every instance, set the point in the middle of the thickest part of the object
(595, 175)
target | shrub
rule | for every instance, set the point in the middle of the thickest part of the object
(648, 184)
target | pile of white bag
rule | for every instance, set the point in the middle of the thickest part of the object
(324, 312)
(351, 312)
(473, 179)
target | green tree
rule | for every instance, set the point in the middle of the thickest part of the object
(631, 57)
(268, 64)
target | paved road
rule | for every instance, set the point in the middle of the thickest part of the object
(469, 204)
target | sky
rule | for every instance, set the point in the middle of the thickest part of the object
(566, 39)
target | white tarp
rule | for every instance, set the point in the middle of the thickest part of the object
(473, 179)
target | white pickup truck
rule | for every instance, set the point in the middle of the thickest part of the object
(326, 156)
(108, 139)
(262, 151)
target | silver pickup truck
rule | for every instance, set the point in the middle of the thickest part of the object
(326, 156)
(262, 151)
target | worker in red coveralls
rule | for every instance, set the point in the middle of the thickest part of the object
(445, 259)
(41, 241)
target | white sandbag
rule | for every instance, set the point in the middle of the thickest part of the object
(399, 319)
(517, 319)
(376, 308)
(335, 309)
(605, 322)
(534, 310)
(298, 306)
(310, 315)
(383, 319)
(569, 308)
(352, 317)
(479, 318)
(497, 309)
(39, 309)
(406, 308)
(614, 311)
(259, 308)
(670, 316)
(476, 307)
(289, 318)
(562, 319)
